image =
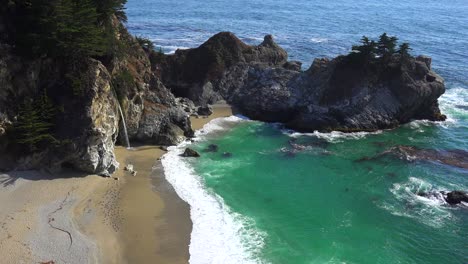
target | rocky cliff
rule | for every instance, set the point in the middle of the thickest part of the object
(86, 122)
(337, 94)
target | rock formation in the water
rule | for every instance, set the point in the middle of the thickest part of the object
(190, 73)
(453, 157)
(456, 197)
(333, 94)
(190, 153)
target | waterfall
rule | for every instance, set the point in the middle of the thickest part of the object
(124, 126)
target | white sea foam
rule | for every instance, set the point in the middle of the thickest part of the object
(454, 104)
(218, 235)
(318, 40)
(332, 137)
(172, 49)
(217, 125)
(431, 209)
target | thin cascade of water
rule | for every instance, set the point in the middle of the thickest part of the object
(127, 141)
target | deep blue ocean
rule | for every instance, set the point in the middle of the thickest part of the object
(322, 205)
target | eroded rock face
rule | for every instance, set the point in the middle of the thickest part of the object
(88, 122)
(188, 73)
(331, 95)
(95, 146)
(153, 115)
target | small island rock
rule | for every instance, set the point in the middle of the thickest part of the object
(190, 153)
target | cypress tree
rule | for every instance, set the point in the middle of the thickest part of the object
(34, 124)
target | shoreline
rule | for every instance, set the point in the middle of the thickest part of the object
(71, 217)
(209, 214)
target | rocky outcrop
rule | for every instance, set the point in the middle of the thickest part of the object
(190, 153)
(453, 157)
(153, 115)
(188, 73)
(456, 197)
(336, 94)
(87, 121)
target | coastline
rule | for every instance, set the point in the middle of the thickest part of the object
(75, 218)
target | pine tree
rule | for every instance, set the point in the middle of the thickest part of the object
(77, 32)
(107, 8)
(34, 124)
(367, 48)
(386, 45)
(404, 49)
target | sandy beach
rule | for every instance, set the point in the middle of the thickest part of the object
(74, 218)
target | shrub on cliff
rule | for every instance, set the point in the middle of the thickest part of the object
(145, 43)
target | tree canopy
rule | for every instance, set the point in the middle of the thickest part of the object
(61, 28)
(382, 49)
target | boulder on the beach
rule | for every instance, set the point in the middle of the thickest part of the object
(129, 167)
(190, 153)
(211, 148)
(205, 110)
(456, 197)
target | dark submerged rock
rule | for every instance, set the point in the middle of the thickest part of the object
(190, 153)
(227, 155)
(453, 157)
(456, 197)
(211, 148)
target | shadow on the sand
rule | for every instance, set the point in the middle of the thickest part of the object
(9, 178)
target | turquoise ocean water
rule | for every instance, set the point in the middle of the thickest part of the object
(286, 197)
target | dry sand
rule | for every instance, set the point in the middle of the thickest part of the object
(76, 218)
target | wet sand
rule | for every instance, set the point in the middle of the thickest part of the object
(74, 218)
(219, 110)
(153, 222)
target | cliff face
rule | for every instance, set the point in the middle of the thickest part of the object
(189, 73)
(336, 94)
(87, 122)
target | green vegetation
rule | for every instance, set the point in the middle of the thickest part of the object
(156, 58)
(382, 50)
(145, 43)
(61, 28)
(121, 82)
(34, 124)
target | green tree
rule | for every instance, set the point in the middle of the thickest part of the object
(386, 45)
(107, 8)
(34, 123)
(145, 43)
(367, 48)
(404, 49)
(76, 30)
(61, 28)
